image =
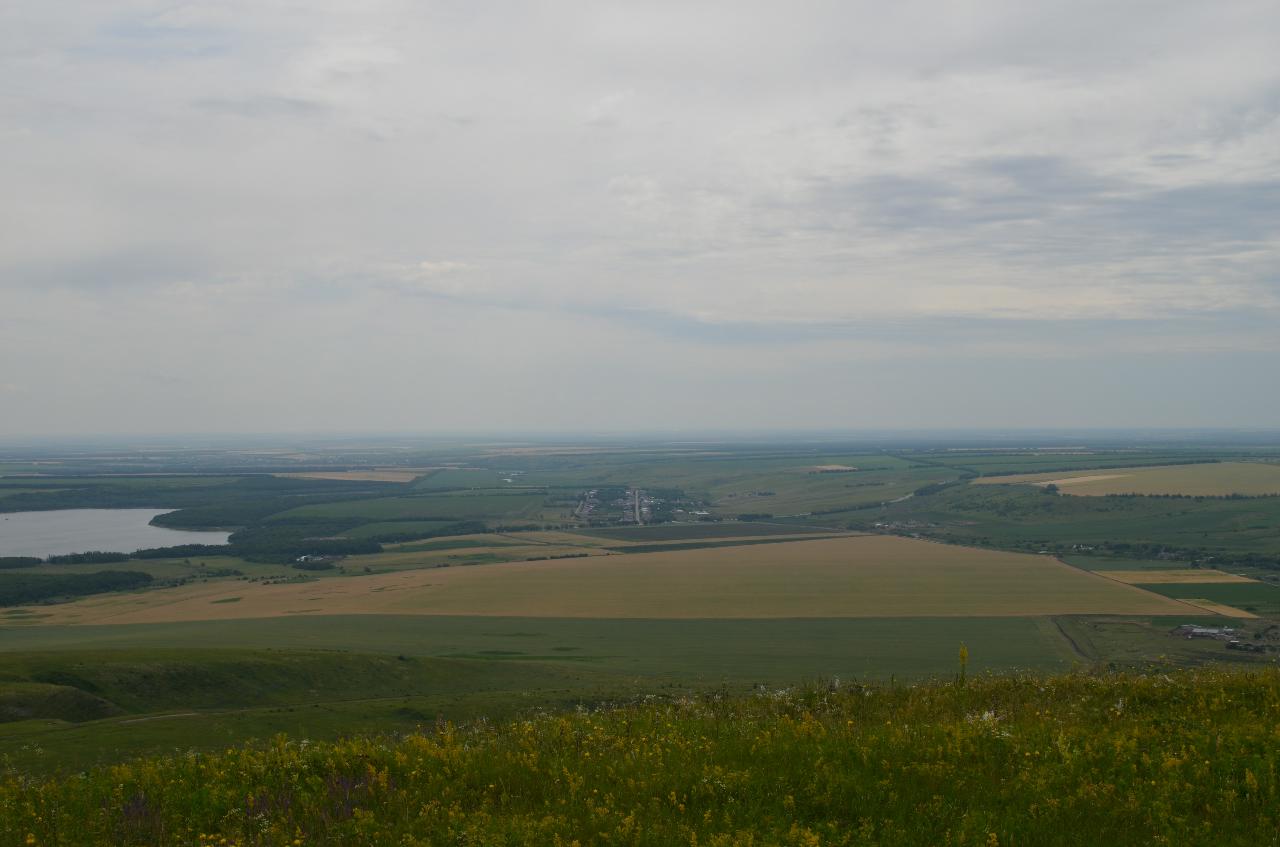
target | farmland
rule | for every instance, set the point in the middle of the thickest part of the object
(1254, 598)
(424, 508)
(656, 652)
(1025, 517)
(1218, 479)
(1180, 577)
(873, 576)
(374, 475)
(791, 562)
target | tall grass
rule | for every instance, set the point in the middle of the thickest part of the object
(1179, 758)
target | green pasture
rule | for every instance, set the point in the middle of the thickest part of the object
(698, 473)
(687, 651)
(495, 507)
(102, 694)
(380, 528)
(459, 543)
(803, 492)
(194, 568)
(994, 463)
(1146, 642)
(455, 478)
(1260, 598)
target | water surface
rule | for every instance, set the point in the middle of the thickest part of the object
(61, 531)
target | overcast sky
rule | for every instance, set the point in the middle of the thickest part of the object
(423, 216)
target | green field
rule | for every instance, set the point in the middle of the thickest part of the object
(426, 508)
(384, 528)
(82, 690)
(692, 652)
(800, 491)
(460, 543)
(1017, 517)
(1257, 597)
(391, 673)
(993, 463)
(450, 478)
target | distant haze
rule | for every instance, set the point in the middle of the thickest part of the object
(595, 216)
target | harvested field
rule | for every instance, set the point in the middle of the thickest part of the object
(1081, 480)
(1183, 576)
(860, 576)
(1220, 609)
(1215, 479)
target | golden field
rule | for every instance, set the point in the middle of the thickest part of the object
(856, 576)
(1216, 479)
(1215, 608)
(1185, 576)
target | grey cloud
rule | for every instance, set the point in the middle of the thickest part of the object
(261, 106)
(1242, 213)
(140, 268)
(1067, 212)
(732, 188)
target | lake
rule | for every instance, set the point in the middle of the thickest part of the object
(62, 531)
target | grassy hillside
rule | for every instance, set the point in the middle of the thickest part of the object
(1182, 758)
(148, 681)
(67, 710)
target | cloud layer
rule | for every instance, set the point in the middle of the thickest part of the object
(255, 203)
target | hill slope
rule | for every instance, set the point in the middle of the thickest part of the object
(1183, 758)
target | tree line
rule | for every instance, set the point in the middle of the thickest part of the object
(19, 588)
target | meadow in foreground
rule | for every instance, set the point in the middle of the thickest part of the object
(1177, 758)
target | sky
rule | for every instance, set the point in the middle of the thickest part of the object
(277, 216)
